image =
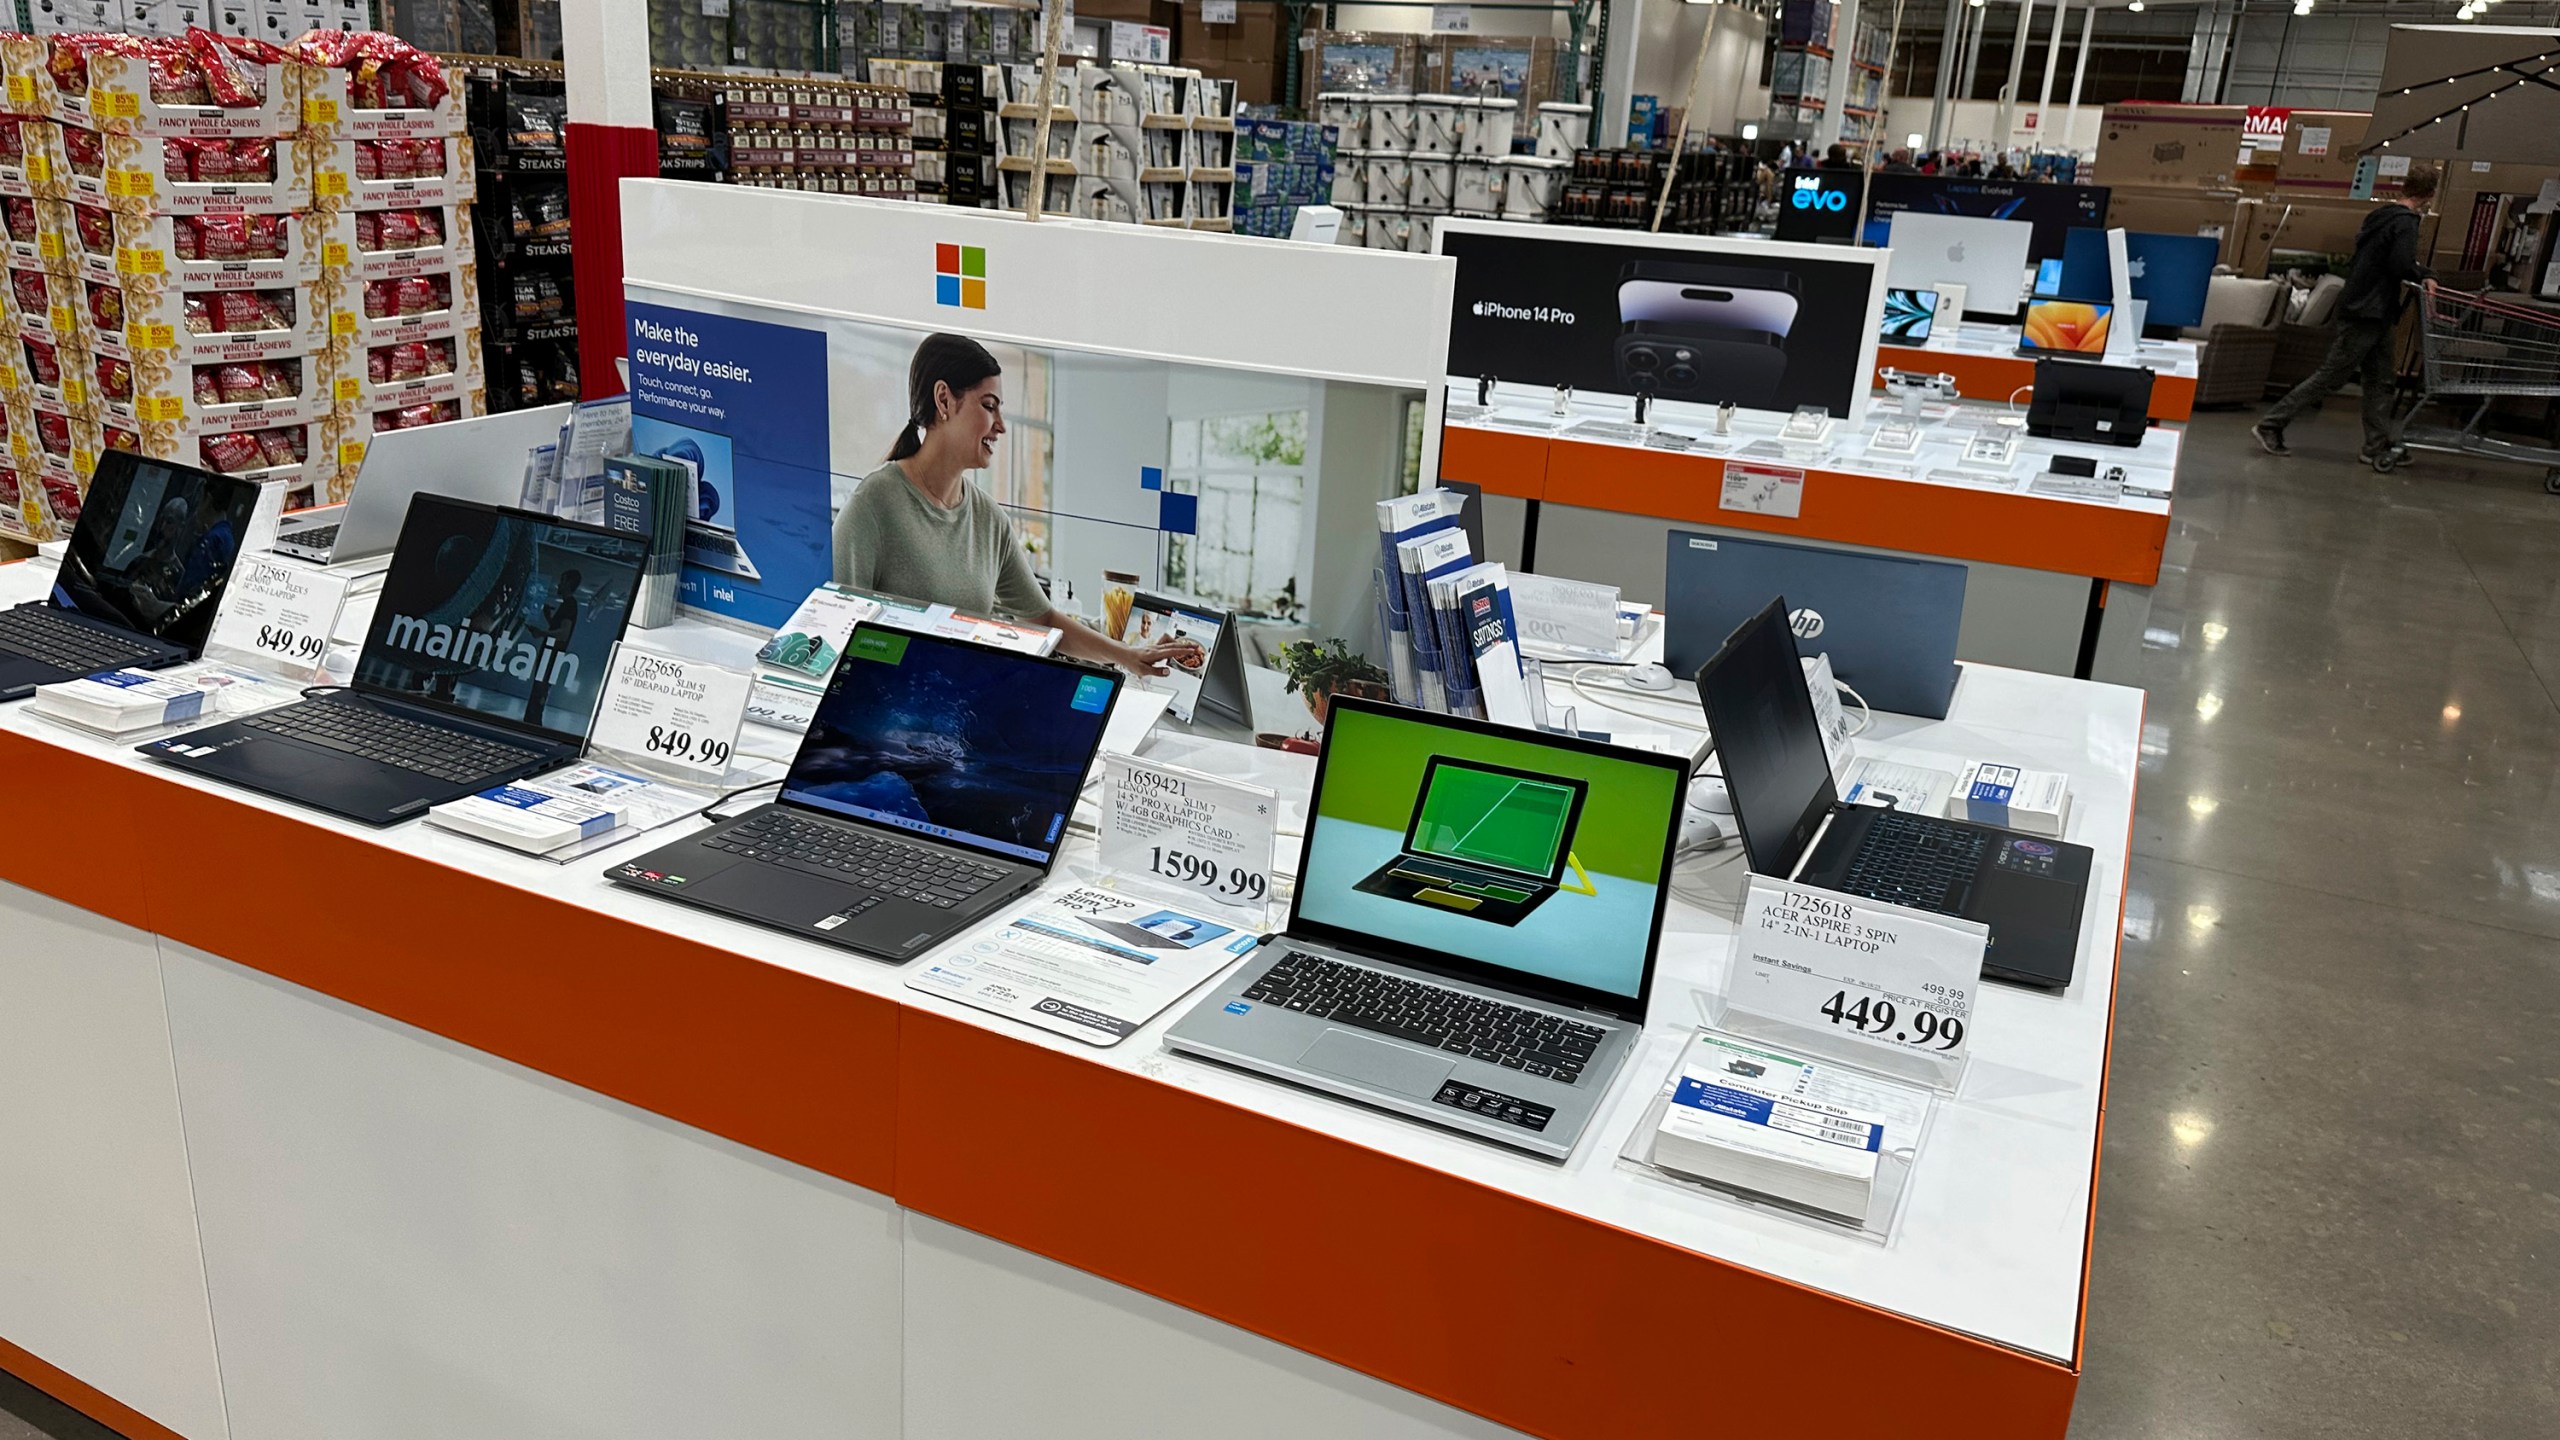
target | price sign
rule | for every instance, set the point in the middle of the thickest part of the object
(1453, 19)
(1762, 489)
(1217, 12)
(280, 614)
(670, 716)
(1208, 837)
(1873, 984)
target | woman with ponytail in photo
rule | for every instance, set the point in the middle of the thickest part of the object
(917, 527)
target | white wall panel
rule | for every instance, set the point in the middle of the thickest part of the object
(407, 1238)
(99, 1271)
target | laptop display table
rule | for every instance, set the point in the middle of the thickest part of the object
(401, 1077)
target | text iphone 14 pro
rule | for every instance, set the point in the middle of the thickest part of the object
(1710, 334)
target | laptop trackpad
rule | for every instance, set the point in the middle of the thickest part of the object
(1378, 1063)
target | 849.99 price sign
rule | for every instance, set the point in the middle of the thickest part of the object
(672, 716)
(280, 615)
(1208, 837)
(1858, 979)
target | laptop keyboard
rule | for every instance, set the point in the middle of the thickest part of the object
(1914, 861)
(404, 744)
(885, 865)
(1515, 1037)
(318, 537)
(36, 632)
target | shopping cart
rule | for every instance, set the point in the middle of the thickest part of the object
(2485, 347)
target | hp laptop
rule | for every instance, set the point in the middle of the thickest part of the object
(1505, 1020)
(1888, 622)
(934, 785)
(2028, 890)
(1218, 680)
(486, 655)
(479, 459)
(139, 583)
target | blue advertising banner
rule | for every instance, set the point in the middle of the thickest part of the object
(743, 405)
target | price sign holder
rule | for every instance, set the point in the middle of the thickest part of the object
(670, 718)
(1184, 832)
(278, 615)
(1841, 977)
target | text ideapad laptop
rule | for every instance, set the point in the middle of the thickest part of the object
(479, 459)
(1888, 622)
(2029, 891)
(1507, 1027)
(140, 580)
(934, 785)
(486, 655)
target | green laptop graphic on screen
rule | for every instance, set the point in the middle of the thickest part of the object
(1486, 842)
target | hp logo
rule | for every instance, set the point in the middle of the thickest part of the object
(1807, 623)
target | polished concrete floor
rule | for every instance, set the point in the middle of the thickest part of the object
(2330, 1198)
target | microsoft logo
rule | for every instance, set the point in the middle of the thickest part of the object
(960, 276)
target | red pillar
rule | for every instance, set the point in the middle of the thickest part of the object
(599, 157)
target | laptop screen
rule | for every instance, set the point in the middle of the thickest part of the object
(981, 747)
(1547, 857)
(154, 547)
(1768, 743)
(502, 615)
(1890, 623)
(1153, 619)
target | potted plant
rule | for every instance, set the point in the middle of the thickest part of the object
(1324, 670)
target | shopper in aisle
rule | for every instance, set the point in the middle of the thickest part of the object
(1837, 158)
(2386, 258)
(917, 527)
(1900, 164)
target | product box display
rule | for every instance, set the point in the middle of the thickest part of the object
(175, 87)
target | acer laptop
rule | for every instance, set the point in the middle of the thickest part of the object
(479, 459)
(139, 583)
(934, 785)
(1505, 1027)
(486, 655)
(1888, 622)
(2029, 891)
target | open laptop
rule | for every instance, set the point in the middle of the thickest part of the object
(480, 459)
(1508, 1028)
(2029, 891)
(1217, 681)
(1987, 257)
(1485, 841)
(486, 655)
(1888, 622)
(934, 785)
(140, 580)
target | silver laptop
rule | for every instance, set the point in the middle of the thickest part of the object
(1472, 940)
(479, 459)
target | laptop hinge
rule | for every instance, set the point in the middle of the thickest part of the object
(1813, 844)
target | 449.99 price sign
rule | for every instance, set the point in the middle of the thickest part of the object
(1856, 979)
(1171, 828)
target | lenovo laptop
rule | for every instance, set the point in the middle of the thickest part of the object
(142, 576)
(1504, 1026)
(1217, 681)
(934, 785)
(479, 459)
(1888, 622)
(483, 664)
(2029, 891)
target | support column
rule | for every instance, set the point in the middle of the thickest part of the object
(2017, 73)
(1972, 51)
(2052, 61)
(1949, 43)
(2079, 69)
(1844, 39)
(612, 132)
(2206, 54)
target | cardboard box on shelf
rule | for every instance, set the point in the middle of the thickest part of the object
(393, 377)
(2183, 210)
(197, 252)
(120, 100)
(166, 405)
(2284, 228)
(411, 308)
(2319, 155)
(2147, 143)
(163, 325)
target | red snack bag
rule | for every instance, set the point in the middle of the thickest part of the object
(222, 237)
(440, 358)
(187, 237)
(33, 298)
(414, 78)
(97, 229)
(408, 362)
(232, 454)
(399, 230)
(368, 159)
(19, 213)
(85, 148)
(252, 161)
(240, 384)
(119, 438)
(413, 416)
(176, 79)
(381, 299)
(430, 225)
(275, 309)
(208, 161)
(43, 362)
(115, 378)
(424, 294)
(369, 230)
(426, 158)
(67, 59)
(53, 432)
(385, 419)
(377, 365)
(266, 236)
(106, 306)
(283, 377)
(238, 310)
(13, 144)
(196, 314)
(282, 447)
(334, 49)
(231, 70)
(208, 390)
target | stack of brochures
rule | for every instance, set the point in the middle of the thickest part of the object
(793, 667)
(644, 495)
(124, 702)
(1767, 1122)
(547, 812)
(1453, 641)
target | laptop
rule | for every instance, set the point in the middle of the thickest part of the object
(2029, 891)
(934, 785)
(711, 523)
(1888, 622)
(1505, 1019)
(1987, 257)
(1218, 681)
(480, 459)
(140, 580)
(486, 655)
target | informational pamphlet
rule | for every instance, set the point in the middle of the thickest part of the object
(1089, 964)
(1783, 1125)
(128, 702)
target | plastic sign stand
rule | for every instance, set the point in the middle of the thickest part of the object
(1841, 977)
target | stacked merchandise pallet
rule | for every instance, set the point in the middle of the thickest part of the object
(1715, 191)
(691, 137)
(838, 137)
(951, 107)
(1146, 144)
(1800, 72)
(1405, 159)
(529, 319)
(1280, 166)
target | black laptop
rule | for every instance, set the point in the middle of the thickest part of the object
(486, 654)
(934, 785)
(138, 586)
(2028, 890)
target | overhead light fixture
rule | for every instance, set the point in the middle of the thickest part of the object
(1750, 132)
(2135, 7)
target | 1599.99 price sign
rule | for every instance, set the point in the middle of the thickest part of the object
(1209, 837)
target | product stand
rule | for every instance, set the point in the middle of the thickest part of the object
(1988, 368)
